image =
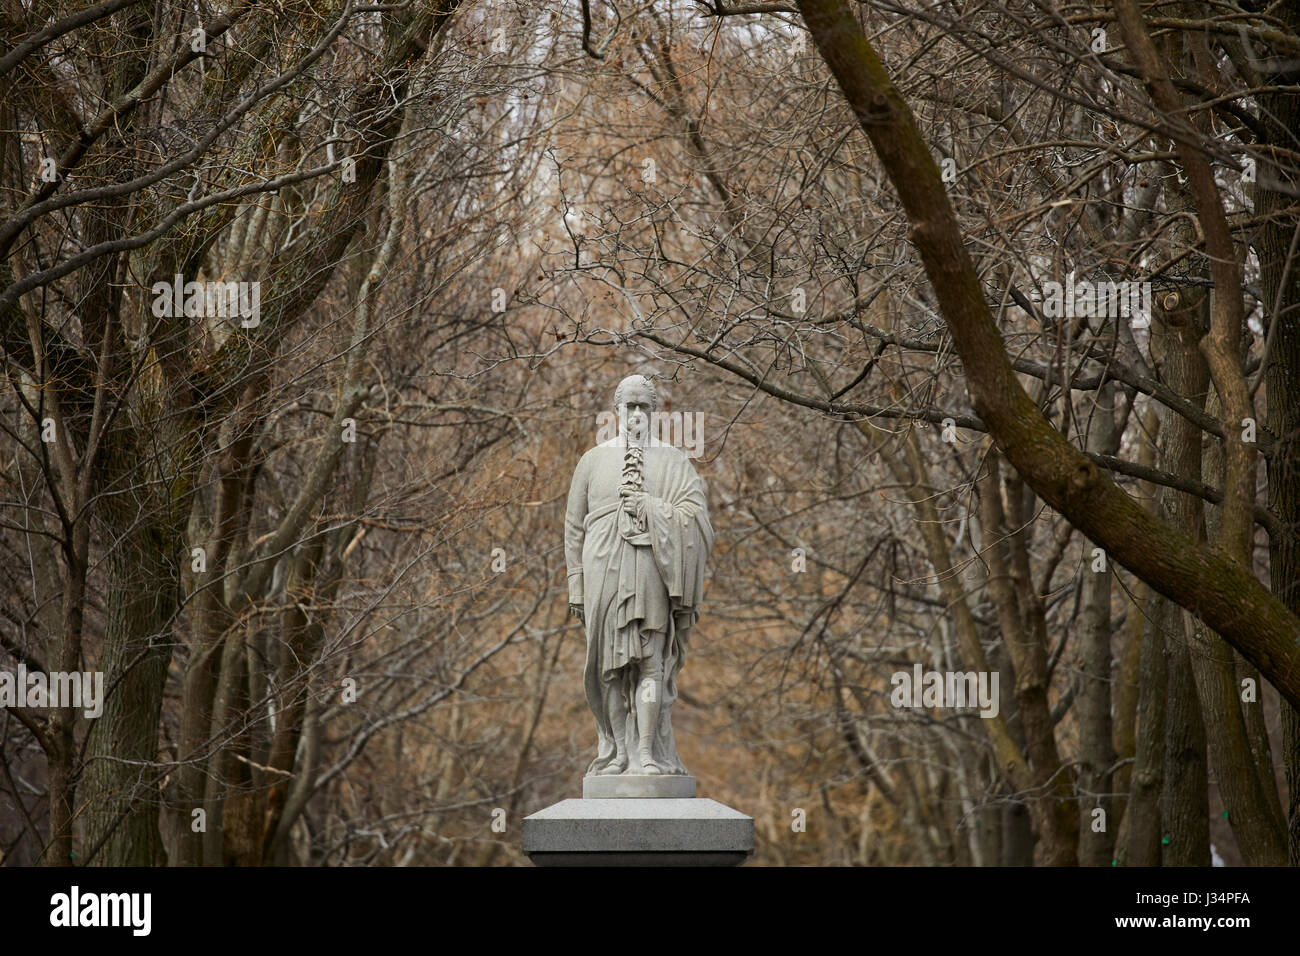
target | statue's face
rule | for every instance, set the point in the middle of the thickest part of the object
(634, 413)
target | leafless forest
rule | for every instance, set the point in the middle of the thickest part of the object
(311, 534)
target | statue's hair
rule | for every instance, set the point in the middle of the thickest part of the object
(629, 382)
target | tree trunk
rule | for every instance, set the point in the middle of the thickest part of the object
(61, 760)
(1279, 266)
(1096, 750)
(1142, 819)
(122, 773)
(1250, 815)
(1020, 614)
(1184, 802)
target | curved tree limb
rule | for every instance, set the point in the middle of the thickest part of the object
(1209, 582)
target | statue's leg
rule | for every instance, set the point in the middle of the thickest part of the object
(616, 709)
(649, 694)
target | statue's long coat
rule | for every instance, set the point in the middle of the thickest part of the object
(629, 584)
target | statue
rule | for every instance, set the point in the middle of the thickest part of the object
(636, 538)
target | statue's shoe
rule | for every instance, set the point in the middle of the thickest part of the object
(611, 768)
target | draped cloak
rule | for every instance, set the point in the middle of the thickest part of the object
(631, 583)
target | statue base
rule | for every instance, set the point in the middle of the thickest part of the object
(631, 831)
(631, 786)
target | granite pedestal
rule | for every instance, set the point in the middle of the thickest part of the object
(633, 820)
(632, 786)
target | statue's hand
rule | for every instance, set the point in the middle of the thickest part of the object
(634, 503)
(578, 611)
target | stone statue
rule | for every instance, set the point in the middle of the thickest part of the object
(636, 538)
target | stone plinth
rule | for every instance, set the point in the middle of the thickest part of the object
(623, 786)
(630, 831)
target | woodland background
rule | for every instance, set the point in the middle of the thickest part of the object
(469, 220)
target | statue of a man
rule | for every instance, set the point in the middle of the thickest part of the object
(636, 538)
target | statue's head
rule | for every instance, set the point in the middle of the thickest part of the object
(635, 400)
(638, 390)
